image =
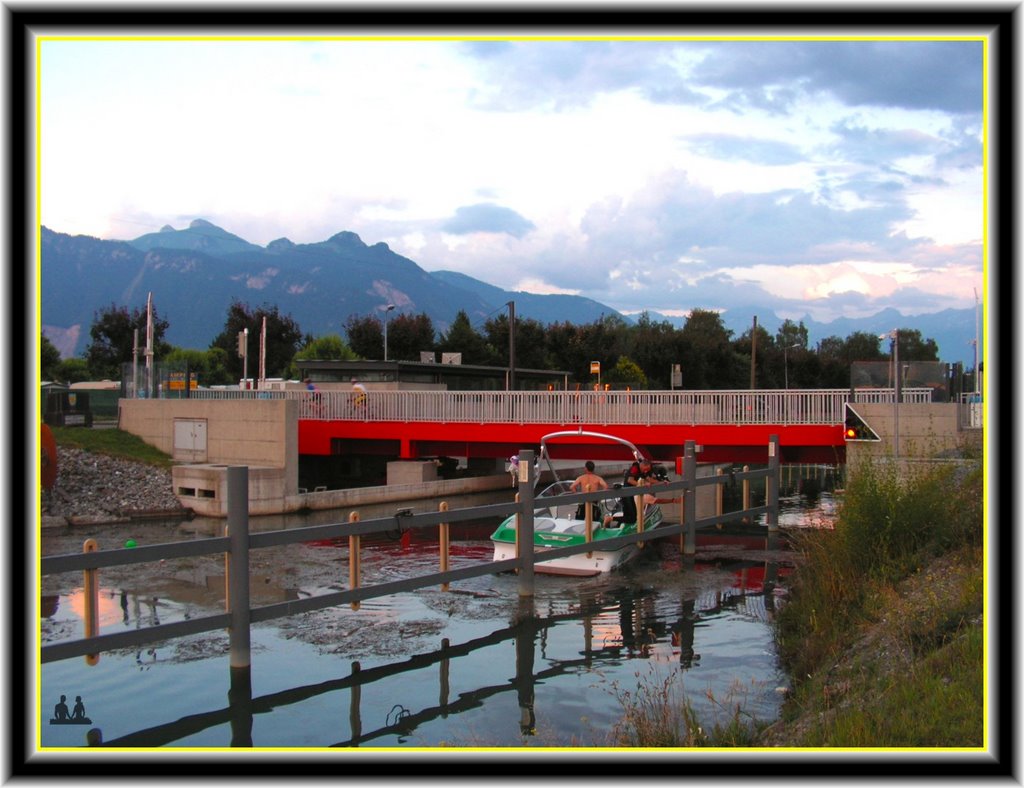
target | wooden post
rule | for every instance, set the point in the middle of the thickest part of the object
(443, 539)
(524, 529)
(588, 521)
(353, 558)
(690, 497)
(772, 482)
(91, 592)
(639, 517)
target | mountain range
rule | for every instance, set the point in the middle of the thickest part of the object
(195, 274)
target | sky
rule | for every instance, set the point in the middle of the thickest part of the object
(830, 178)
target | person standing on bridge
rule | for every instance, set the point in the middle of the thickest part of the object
(358, 394)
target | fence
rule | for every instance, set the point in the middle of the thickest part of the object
(238, 542)
(817, 406)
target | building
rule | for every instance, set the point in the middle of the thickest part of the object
(397, 375)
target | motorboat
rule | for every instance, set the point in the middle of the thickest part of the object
(563, 524)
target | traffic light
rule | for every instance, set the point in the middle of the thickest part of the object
(856, 429)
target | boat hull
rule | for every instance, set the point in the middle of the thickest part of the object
(588, 564)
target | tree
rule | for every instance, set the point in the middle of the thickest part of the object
(365, 335)
(330, 347)
(711, 363)
(209, 367)
(73, 370)
(656, 347)
(914, 348)
(113, 339)
(530, 346)
(409, 335)
(626, 373)
(49, 359)
(462, 338)
(283, 336)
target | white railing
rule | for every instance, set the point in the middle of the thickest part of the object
(804, 406)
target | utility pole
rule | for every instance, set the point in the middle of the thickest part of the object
(753, 353)
(511, 345)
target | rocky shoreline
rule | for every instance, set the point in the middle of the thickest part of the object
(95, 488)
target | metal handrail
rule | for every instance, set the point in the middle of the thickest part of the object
(769, 406)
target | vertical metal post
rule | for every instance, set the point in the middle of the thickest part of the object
(746, 493)
(353, 558)
(719, 496)
(238, 576)
(524, 530)
(91, 592)
(690, 497)
(444, 544)
(772, 482)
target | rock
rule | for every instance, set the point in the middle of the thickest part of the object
(97, 488)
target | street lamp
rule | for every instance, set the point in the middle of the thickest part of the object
(894, 335)
(785, 362)
(785, 373)
(387, 309)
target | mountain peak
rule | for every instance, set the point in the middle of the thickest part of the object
(347, 238)
(198, 223)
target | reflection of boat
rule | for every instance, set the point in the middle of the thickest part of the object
(71, 721)
(562, 525)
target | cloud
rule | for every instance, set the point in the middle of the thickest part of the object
(487, 218)
(925, 75)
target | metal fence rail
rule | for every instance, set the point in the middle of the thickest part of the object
(238, 543)
(817, 406)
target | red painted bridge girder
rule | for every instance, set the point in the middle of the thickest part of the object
(742, 443)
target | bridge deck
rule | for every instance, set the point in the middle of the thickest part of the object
(730, 426)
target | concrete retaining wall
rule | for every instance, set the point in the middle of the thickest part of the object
(209, 435)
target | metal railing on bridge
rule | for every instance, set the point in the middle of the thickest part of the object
(804, 406)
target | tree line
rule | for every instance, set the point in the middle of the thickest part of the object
(638, 356)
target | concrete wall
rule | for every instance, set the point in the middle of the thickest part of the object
(928, 430)
(206, 436)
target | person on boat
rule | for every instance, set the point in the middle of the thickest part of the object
(637, 475)
(79, 712)
(588, 481)
(60, 711)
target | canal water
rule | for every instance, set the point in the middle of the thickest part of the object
(467, 667)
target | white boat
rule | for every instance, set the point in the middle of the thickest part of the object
(560, 525)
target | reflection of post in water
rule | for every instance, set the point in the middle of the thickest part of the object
(354, 720)
(240, 703)
(526, 628)
(683, 634)
(445, 687)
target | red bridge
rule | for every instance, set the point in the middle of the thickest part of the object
(727, 426)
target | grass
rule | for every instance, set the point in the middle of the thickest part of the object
(883, 634)
(111, 442)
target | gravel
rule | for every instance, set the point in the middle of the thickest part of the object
(99, 488)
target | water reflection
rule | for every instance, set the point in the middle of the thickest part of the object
(490, 670)
(612, 623)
